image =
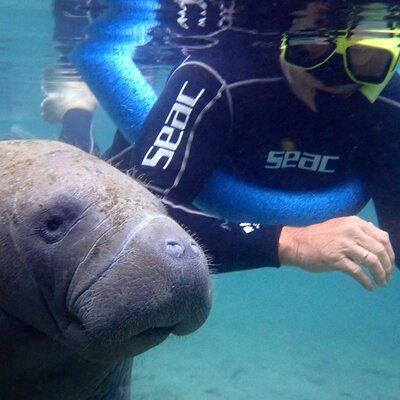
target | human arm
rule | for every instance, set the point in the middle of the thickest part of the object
(183, 136)
(350, 244)
(231, 246)
(176, 164)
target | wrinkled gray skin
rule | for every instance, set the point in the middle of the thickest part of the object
(92, 273)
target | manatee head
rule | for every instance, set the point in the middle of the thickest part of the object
(90, 258)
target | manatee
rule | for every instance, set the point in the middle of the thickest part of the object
(92, 273)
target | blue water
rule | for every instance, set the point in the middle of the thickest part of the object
(272, 334)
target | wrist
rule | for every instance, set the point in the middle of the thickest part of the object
(288, 246)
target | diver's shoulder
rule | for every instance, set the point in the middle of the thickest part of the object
(192, 64)
(229, 77)
(238, 56)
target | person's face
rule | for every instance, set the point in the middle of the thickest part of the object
(303, 83)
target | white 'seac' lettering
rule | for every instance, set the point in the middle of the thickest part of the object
(301, 160)
(170, 136)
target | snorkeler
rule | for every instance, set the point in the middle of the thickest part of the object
(296, 117)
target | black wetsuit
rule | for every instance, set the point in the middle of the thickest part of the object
(229, 107)
(240, 115)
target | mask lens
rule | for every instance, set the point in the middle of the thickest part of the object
(308, 53)
(368, 64)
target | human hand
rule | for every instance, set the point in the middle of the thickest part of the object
(344, 244)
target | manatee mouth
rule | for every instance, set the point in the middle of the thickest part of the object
(146, 338)
(178, 329)
(117, 345)
(164, 331)
(122, 336)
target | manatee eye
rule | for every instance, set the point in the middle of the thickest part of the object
(53, 228)
(54, 223)
(56, 218)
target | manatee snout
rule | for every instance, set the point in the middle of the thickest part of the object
(156, 283)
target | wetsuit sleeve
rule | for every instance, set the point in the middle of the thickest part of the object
(183, 136)
(231, 246)
(179, 146)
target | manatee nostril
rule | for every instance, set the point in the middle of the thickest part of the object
(174, 249)
(195, 249)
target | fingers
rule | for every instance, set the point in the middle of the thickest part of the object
(378, 256)
(381, 237)
(378, 242)
(355, 271)
(371, 261)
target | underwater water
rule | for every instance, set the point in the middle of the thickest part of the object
(273, 334)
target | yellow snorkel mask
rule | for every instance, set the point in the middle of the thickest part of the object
(370, 59)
